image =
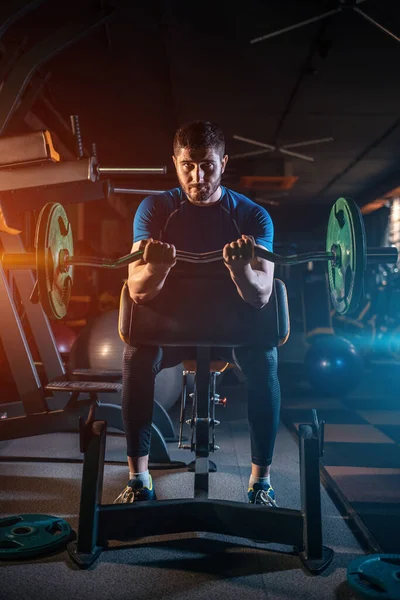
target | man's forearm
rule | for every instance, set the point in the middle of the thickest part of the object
(146, 282)
(255, 287)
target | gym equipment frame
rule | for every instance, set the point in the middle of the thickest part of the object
(99, 523)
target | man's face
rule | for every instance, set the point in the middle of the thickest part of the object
(199, 173)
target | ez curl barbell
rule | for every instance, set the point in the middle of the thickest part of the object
(346, 254)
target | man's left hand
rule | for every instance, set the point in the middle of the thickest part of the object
(238, 254)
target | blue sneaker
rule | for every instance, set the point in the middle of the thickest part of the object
(261, 494)
(136, 492)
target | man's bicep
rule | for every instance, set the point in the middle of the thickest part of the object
(146, 224)
(135, 246)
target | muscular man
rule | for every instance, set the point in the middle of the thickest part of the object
(200, 215)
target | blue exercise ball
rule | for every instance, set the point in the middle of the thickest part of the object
(333, 366)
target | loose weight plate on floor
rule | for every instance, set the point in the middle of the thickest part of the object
(376, 576)
(28, 536)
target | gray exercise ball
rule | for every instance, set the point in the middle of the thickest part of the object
(98, 346)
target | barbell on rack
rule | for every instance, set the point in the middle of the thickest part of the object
(346, 254)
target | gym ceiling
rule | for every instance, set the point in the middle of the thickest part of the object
(159, 63)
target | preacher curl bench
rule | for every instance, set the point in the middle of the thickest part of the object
(192, 311)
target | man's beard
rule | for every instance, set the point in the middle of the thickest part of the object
(202, 194)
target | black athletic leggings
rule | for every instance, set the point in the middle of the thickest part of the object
(141, 365)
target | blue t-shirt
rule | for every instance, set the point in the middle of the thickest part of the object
(171, 218)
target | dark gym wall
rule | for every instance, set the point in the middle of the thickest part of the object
(121, 89)
(118, 80)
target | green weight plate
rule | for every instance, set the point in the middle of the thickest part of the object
(376, 576)
(53, 241)
(346, 236)
(27, 536)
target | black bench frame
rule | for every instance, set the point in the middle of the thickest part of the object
(99, 523)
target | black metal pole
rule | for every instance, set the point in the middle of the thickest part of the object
(202, 425)
(310, 493)
(314, 555)
(93, 438)
(383, 255)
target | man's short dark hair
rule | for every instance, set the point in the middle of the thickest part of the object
(199, 134)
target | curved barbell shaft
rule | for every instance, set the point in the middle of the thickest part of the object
(387, 255)
(206, 257)
(374, 255)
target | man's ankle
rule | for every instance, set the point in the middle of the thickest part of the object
(138, 464)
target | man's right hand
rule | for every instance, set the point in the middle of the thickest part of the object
(158, 255)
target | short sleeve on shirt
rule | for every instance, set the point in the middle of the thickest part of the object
(147, 222)
(260, 226)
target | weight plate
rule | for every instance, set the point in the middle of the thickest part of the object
(53, 242)
(376, 576)
(27, 536)
(346, 237)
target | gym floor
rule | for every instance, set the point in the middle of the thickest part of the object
(361, 462)
(190, 566)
